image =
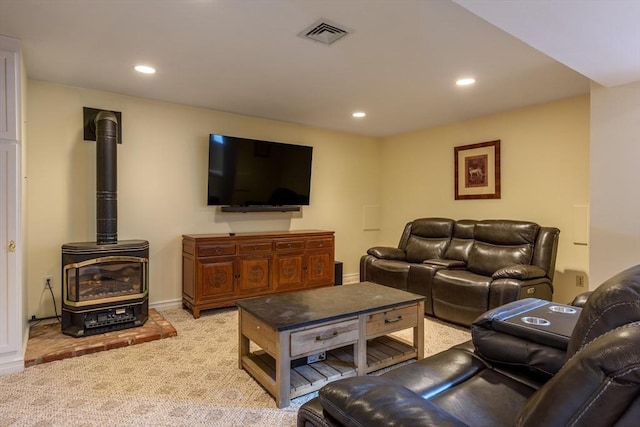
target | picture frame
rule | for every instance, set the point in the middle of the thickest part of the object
(477, 171)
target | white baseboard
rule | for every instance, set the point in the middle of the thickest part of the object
(348, 279)
(12, 365)
(166, 305)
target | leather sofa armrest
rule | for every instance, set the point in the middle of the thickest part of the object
(384, 252)
(581, 299)
(369, 401)
(520, 272)
(451, 264)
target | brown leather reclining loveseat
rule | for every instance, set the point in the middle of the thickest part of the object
(467, 267)
(515, 376)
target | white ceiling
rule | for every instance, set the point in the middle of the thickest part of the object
(399, 64)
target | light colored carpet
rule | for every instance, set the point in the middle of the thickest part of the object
(192, 379)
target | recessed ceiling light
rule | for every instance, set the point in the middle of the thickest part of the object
(359, 114)
(145, 69)
(465, 82)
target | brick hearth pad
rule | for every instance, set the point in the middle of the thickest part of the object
(47, 343)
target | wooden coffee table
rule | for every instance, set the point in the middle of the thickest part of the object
(348, 324)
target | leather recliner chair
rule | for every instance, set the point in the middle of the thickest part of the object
(591, 378)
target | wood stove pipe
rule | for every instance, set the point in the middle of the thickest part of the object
(106, 126)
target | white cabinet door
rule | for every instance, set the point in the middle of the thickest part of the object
(10, 289)
(8, 93)
(12, 323)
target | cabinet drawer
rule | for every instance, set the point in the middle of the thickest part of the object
(216, 250)
(392, 320)
(324, 337)
(290, 244)
(320, 243)
(254, 247)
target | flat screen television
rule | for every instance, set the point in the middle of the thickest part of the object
(251, 172)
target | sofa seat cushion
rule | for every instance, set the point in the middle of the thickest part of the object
(429, 392)
(489, 399)
(387, 272)
(376, 401)
(460, 296)
(428, 377)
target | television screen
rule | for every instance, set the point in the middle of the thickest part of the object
(249, 172)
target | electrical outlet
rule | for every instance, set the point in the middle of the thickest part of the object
(47, 281)
(580, 280)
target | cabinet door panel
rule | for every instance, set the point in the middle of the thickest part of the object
(289, 271)
(8, 96)
(217, 278)
(255, 274)
(319, 267)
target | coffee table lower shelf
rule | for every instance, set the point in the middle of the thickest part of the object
(382, 352)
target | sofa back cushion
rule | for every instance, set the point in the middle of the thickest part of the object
(614, 303)
(501, 243)
(599, 385)
(462, 240)
(429, 238)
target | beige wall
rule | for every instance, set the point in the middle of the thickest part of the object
(544, 169)
(162, 166)
(162, 181)
(615, 180)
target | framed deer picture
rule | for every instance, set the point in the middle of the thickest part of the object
(477, 171)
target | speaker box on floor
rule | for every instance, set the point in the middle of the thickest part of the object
(337, 280)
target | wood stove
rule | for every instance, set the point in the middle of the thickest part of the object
(105, 283)
(104, 287)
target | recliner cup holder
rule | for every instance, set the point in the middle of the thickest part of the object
(538, 321)
(562, 309)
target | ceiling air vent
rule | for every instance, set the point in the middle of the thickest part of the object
(324, 31)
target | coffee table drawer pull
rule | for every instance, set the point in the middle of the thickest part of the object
(395, 319)
(326, 337)
(323, 337)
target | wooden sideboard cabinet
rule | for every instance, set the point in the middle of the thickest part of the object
(219, 269)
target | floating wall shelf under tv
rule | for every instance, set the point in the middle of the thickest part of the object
(245, 209)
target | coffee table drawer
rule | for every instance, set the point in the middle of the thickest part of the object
(324, 337)
(392, 320)
(260, 333)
